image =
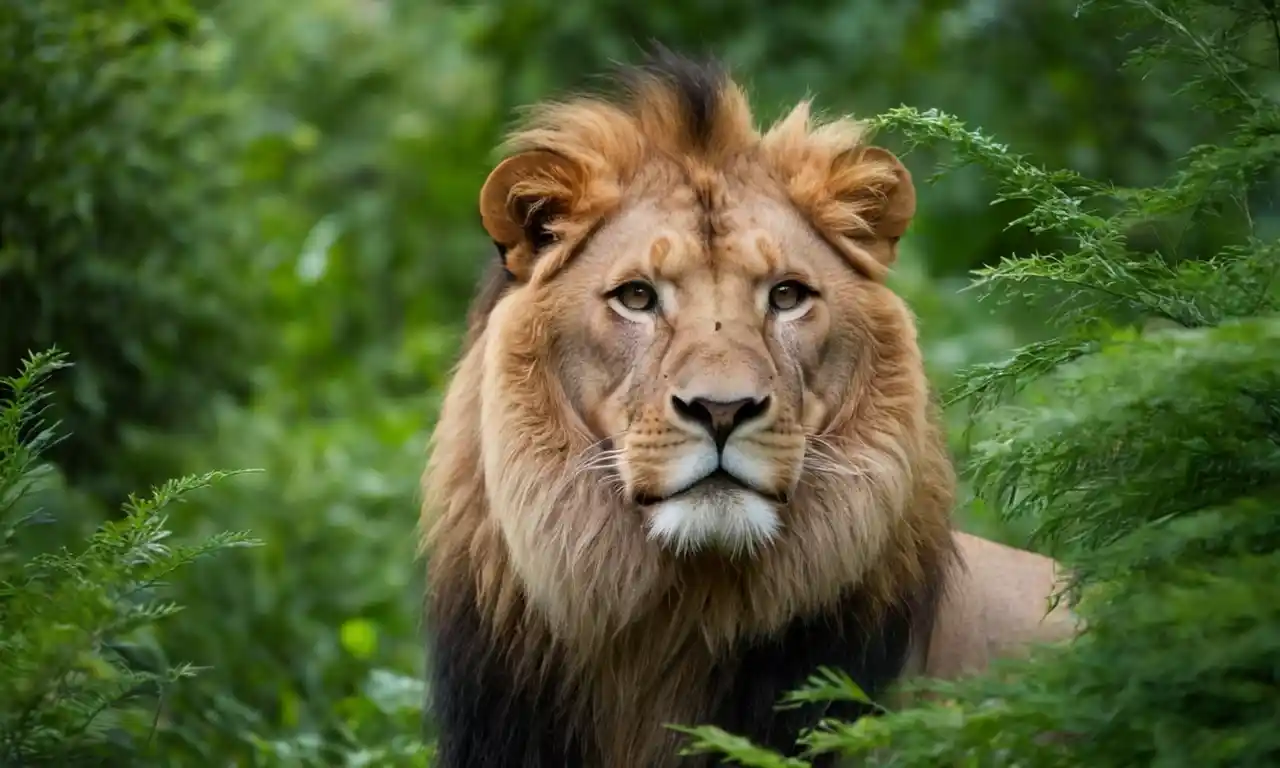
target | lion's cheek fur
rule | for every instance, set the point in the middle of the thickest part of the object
(562, 527)
(561, 579)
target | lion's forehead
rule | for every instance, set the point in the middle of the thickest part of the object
(707, 249)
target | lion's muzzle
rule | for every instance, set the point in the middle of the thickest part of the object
(717, 470)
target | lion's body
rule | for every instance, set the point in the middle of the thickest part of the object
(689, 453)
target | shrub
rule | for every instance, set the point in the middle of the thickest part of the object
(121, 240)
(364, 126)
(313, 639)
(366, 129)
(81, 678)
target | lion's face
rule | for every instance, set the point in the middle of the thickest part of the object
(694, 353)
(703, 367)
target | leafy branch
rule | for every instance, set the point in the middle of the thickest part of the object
(68, 619)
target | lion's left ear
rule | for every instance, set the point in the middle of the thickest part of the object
(521, 203)
(872, 201)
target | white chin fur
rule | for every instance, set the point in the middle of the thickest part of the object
(733, 521)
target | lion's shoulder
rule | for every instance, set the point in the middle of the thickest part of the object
(997, 604)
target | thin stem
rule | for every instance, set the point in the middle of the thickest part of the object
(1209, 55)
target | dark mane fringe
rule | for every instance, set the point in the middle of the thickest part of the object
(699, 85)
(504, 721)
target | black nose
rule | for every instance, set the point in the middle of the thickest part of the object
(720, 418)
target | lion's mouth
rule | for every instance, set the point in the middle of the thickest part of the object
(718, 481)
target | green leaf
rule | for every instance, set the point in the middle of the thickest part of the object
(359, 637)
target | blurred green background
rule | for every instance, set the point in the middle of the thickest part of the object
(252, 226)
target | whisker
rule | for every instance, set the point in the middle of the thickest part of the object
(828, 468)
(823, 458)
(592, 448)
(591, 459)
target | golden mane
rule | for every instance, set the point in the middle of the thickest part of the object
(699, 119)
(542, 573)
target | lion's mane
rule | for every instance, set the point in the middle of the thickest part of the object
(560, 635)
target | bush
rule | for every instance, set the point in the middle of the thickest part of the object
(364, 143)
(312, 639)
(81, 677)
(122, 235)
(1141, 443)
(367, 127)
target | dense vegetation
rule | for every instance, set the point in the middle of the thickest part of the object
(241, 235)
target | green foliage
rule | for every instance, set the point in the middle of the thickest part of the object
(253, 227)
(121, 228)
(326, 655)
(1140, 442)
(80, 675)
(366, 127)
(385, 711)
(359, 141)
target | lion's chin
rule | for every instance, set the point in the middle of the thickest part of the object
(716, 516)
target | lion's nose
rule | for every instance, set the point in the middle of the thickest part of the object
(720, 418)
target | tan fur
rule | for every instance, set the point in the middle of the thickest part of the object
(528, 509)
(998, 606)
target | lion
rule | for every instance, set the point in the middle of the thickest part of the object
(688, 454)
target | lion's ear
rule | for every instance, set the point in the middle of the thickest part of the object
(521, 201)
(896, 192)
(874, 202)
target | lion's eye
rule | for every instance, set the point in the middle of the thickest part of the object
(788, 295)
(636, 295)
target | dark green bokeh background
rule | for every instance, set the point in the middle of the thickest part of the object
(252, 225)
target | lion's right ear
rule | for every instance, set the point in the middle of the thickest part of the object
(523, 200)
